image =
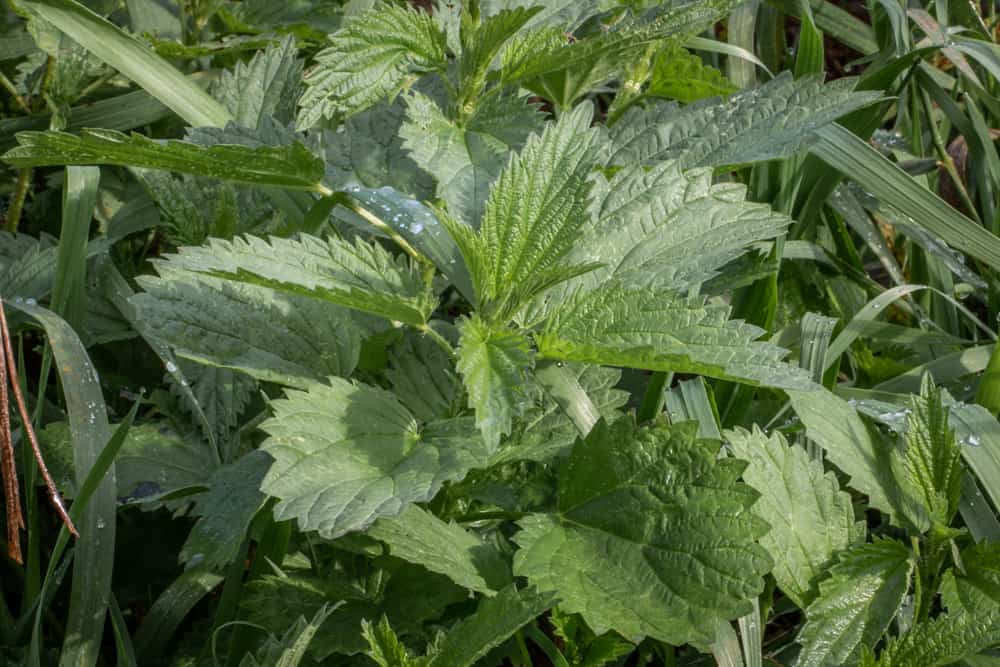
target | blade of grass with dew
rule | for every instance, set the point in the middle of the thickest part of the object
(944, 369)
(976, 511)
(690, 400)
(740, 33)
(89, 427)
(69, 288)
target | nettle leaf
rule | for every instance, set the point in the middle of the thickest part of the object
(481, 47)
(360, 275)
(369, 59)
(423, 378)
(567, 14)
(945, 640)
(771, 121)
(660, 331)
(683, 76)
(269, 335)
(856, 604)
(346, 454)
(224, 512)
(532, 217)
(493, 363)
(385, 647)
(932, 462)
(811, 519)
(289, 649)
(652, 536)
(871, 464)
(221, 395)
(267, 86)
(495, 620)
(290, 166)
(976, 585)
(467, 158)
(419, 537)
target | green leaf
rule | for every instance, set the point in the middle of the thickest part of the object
(856, 604)
(652, 535)
(423, 378)
(290, 649)
(267, 86)
(224, 512)
(481, 47)
(811, 519)
(363, 276)
(493, 363)
(771, 121)
(495, 620)
(220, 394)
(659, 331)
(156, 460)
(419, 537)
(346, 454)
(385, 647)
(870, 463)
(369, 59)
(467, 158)
(287, 166)
(683, 76)
(533, 216)
(270, 335)
(932, 461)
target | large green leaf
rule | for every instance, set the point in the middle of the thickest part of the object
(346, 454)
(856, 604)
(771, 121)
(493, 363)
(370, 59)
(533, 216)
(420, 537)
(270, 335)
(652, 535)
(811, 519)
(287, 166)
(359, 275)
(466, 158)
(267, 86)
(660, 331)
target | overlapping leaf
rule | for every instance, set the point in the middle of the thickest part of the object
(369, 59)
(652, 536)
(657, 330)
(363, 276)
(346, 454)
(267, 86)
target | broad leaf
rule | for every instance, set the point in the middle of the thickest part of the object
(346, 454)
(466, 158)
(870, 463)
(267, 86)
(423, 378)
(270, 335)
(496, 619)
(359, 275)
(419, 537)
(224, 512)
(370, 59)
(856, 604)
(493, 363)
(656, 330)
(683, 76)
(932, 461)
(811, 519)
(771, 121)
(533, 216)
(652, 536)
(286, 166)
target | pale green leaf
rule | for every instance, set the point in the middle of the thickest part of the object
(270, 335)
(224, 512)
(771, 121)
(533, 216)
(287, 167)
(932, 461)
(652, 535)
(466, 158)
(856, 604)
(267, 86)
(346, 454)
(657, 330)
(683, 76)
(419, 537)
(811, 519)
(493, 363)
(363, 276)
(369, 59)
(494, 621)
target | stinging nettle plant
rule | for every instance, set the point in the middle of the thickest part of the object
(437, 282)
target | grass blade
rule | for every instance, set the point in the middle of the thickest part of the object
(68, 291)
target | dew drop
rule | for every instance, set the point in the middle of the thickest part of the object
(973, 440)
(31, 302)
(171, 367)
